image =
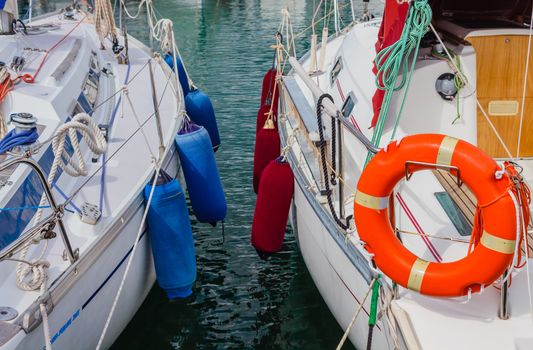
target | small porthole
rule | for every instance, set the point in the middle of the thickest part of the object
(336, 70)
(349, 104)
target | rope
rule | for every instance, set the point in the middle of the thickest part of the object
(44, 313)
(319, 109)
(134, 249)
(28, 78)
(393, 61)
(358, 310)
(463, 78)
(458, 76)
(30, 276)
(105, 20)
(385, 301)
(525, 84)
(13, 139)
(158, 166)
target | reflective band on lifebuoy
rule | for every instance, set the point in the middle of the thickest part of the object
(417, 274)
(371, 202)
(446, 149)
(505, 246)
(488, 260)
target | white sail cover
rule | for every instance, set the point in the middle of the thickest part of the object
(9, 6)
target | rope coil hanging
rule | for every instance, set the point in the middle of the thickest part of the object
(393, 61)
(319, 109)
(105, 20)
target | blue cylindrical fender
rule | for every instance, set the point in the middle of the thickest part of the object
(182, 75)
(200, 110)
(201, 175)
(170, 233)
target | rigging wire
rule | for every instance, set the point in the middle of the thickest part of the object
(526, 73)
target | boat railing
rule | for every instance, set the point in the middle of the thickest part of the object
(43, 229)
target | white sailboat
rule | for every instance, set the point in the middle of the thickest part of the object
(104, 110)
(452, 74)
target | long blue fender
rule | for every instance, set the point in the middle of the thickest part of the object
(182, 75)
(200, 110)
(201, 174)
(170, 233)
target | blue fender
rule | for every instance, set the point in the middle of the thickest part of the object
(201, 175)
(200, 110)
(182, 75)
(170, 233)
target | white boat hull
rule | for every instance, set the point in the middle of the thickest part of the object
(341, 285)
(78, 318)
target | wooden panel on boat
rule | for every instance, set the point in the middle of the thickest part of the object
(501, 64)
(466, 201)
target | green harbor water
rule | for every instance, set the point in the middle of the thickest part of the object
(240, 301)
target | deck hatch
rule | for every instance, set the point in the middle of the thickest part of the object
(454, 213)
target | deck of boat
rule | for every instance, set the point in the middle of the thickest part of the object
(466, 201)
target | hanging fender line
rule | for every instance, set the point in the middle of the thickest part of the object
(322, 145)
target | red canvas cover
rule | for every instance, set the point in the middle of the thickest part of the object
(390, 31)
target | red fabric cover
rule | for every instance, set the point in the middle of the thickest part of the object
(390, 31)
(267, 148)
(268, 95)
(272, 207)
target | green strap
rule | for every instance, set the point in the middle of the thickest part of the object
(374, 302)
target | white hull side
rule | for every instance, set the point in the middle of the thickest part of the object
(342, 287)
(78, 318)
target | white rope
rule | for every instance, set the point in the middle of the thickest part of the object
(162, 32)
(525, 84)
(134, 249)
(31, 275)
(81, 123)
(104, 20)
(148, 202)
(3, 125)
(358, 310)
(44, 316)
(385, 301)
(139, 8)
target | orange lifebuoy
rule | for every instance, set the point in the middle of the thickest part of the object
(489, 259)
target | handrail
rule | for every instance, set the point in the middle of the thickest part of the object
(329, 107)
(55, 217)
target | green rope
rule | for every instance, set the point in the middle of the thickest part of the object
(372, 317)
(458, 76)
(393, 61)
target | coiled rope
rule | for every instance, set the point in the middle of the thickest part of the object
(104, 20)
(31, 274)
(393, 61)
(319, 109)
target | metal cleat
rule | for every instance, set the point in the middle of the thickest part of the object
(90, 214)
